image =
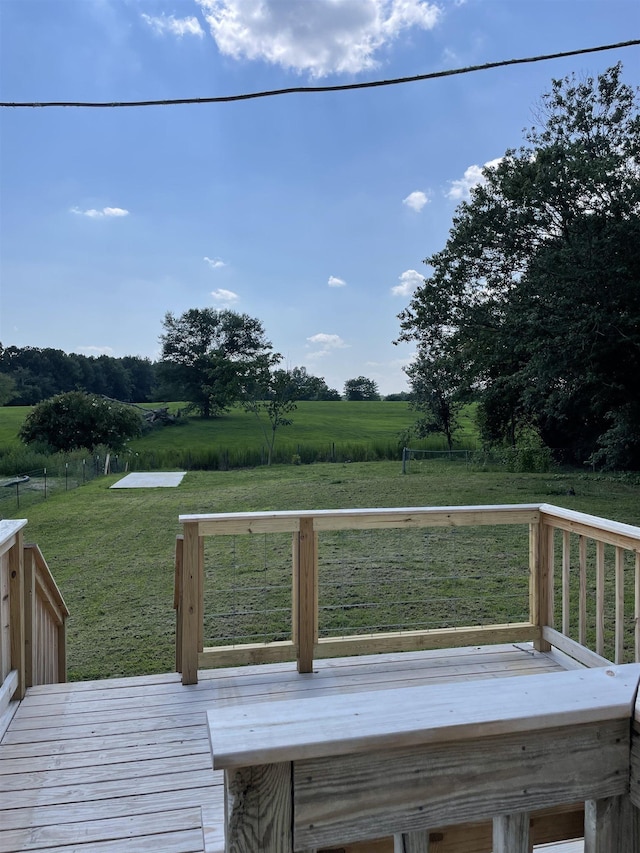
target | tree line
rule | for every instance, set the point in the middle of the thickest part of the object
(210, 359)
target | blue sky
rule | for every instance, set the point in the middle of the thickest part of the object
(311, 212)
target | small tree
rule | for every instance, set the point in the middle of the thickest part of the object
(436, 395)
(361, 388)
(271, 398)
(77, 420)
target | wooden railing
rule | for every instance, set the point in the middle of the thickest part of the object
(33, 616)
(551, 534)
(45, 622)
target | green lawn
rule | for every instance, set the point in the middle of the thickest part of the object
(112, 551)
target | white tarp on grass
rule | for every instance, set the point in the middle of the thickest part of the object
(150, 480)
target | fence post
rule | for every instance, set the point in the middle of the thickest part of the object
(541, 580)
(305, 594)
(191, 607)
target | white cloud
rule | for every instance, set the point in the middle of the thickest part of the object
(409, 281)
(226, 297)
(319, 36)
(334, 281)
(101, 214)
(92, 350)
(174, 26)
(416, 200)
(326, 343)
(214, 263)
(461, 188)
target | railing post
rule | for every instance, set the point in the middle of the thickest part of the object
(16, 612)
(305, 594)
(177, 599)
(541, 579)
(191, 606)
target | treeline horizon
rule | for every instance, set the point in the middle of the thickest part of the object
(29, 375)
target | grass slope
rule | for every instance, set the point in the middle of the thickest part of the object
(319, 424)
(111, 552)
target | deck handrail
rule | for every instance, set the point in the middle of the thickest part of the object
(45, 622)
(33, 617)
(543, 520)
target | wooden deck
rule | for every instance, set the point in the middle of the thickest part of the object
(125, 765)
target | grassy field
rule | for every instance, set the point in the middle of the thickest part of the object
(112, 551)
(330, 430)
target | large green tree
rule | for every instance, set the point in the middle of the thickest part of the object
(210, 355)
(536, 294)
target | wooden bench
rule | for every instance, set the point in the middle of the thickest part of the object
(318, 773)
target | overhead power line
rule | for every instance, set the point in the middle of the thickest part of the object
(303, 90)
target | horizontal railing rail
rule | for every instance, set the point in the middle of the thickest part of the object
(555, 536)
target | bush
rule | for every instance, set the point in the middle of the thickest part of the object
(77, 420)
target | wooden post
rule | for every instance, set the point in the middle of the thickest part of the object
(566, 582)
(258, 809)
(611, 825)
(305, 567)
(600, 598)
(190, 606)
(29, 615)
(177, 600)
(511, 833)
(411, 842)
(16, 612)
(619, 651)
(541, 579)
(636, 608)
(582, 605)
(62, 651)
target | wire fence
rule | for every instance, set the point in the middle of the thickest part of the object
(369, 581)
(38, 484)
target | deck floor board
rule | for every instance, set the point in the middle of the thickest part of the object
(124, 764)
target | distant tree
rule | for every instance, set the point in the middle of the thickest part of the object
(400, 397)
(312, 387)
(361, 388)
(210, 356)
(271, 397)
(78, 420)
(7, 389)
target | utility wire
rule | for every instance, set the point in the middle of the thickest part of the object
(302, 90)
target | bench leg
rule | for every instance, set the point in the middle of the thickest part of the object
(611, 825)
(511, 833)
(411, 842)
(258, 809)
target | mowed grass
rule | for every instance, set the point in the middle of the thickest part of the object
(112, 553)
